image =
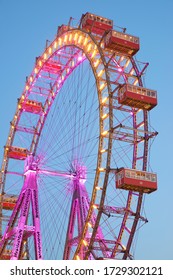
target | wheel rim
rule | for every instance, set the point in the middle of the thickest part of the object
(115, 142)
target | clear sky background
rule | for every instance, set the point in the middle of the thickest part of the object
(24, 28)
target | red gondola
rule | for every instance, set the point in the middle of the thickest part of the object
(137, 97)
(32, 106)
(122, 42)
(96, 24)
(16, 152)
(136, 180)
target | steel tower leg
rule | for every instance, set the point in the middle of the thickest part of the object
(17, 229)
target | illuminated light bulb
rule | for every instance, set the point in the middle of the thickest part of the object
(104, 116)
(131, 72)
(93, 54)
(80, 58)
(142, 124)
(95, 206)
(96, 63)
(127, 63)
(35, 70)
(104, 99)
(31, 79)
(15, 117)
(55, 44)
(27, 87)
(100, 73)
(9, 137)
(89, 224)
(101, 169)
(77, 257)
(70, 37)
(60, 41)
(45, 55)
(50, 50)
(85, 242)
(85, 41)
(40, 63)
(80, 39)
(102, 151)
(89, 47)
(104, 132)
(68, 70)
(120, 69)
(135, 82)
(102, 86)
(99, 188)
(65, 39)
(75, 36)
(19, 106)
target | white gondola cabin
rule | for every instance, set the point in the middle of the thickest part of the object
(96, 24)
(138, 97)
(136, 180)
(122, 42)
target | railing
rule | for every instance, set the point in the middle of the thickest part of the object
(138, 90)
(125, 36)
(136, 174)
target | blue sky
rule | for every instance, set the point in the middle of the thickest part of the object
(24, 28)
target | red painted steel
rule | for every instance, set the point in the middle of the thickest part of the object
(137, 97)
(32, 106)
(122, 42)
(17, 153)
(52, 67)
(96, 24)
(8, 205)
(135, 180)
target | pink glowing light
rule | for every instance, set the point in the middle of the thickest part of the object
(80, 58)
(120, 69)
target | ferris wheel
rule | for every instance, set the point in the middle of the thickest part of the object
(75, 167)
